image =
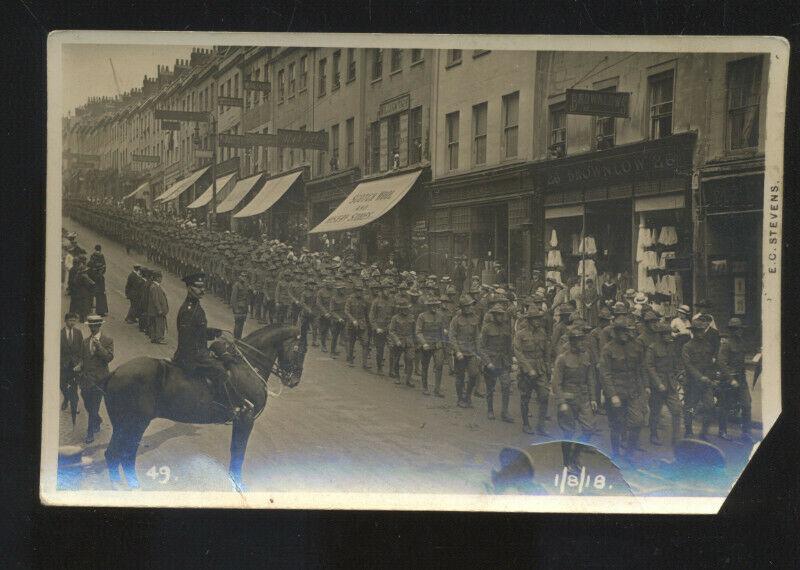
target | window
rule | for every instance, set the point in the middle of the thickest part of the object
(323, 63)
(291, 80)
(375, 146)
(479, 134)
(303, 73)
(334, 163)
(510, 124)
(321, 162)
(281, 86)
(558, 131)
(336, 82)
(415, 135)
(451, 121)
(744, 86)
(397, 59)
(416, 55)
(350, 134)
(604, 131)
(393, 140)
(351, 64)
(453, 56)
(661, 104)
(479, 52)
(377, 63)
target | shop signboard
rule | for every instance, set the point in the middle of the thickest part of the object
(170, 126)
(395, 105)
(230, 101)
(186, 116)
(740, 194)
(263, 86)
(597, 103)
(145, 158)
(314, 140)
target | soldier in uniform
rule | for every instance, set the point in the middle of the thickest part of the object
(380, 314)
(133, 288)
(337, 318)
(664, 372)
(430, 340)
(281, 295)
(355, 311)
(323, 304)
(701, 379)
(574, 387)
(308, 311)
(448, 310)
(533, 358)
(560, 329)
(192, 354)
(401, 335)
(239, 304)
(463, 333)
(734, 390)
(621, 375)
(495, 352)
(268, 294)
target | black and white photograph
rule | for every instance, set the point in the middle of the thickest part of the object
(460, 273)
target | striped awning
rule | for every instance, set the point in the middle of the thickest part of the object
(205, 197)
(242, 189)
(270, 193)
(181, 186)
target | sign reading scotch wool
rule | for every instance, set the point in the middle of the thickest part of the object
(597, 103)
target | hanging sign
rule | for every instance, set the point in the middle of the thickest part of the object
(314, 140)
(166, 114)
(170, 126)
(230, 101)
(597, 103)
(263, 86)
(145, 158)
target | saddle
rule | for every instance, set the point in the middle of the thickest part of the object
(224, 395)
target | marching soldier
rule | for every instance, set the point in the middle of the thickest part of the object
(430, 339)
(380, 315)
(495, 352)
(620, 370)
(573, 383)
(448, 309)
(665, 374)
(355, 311)
(533, 358)
(734, 390)
(701, 379)
(308, 313)
(268, 294)
(337, 319)
(239, 304)
(464, 331)
(323, 302)
(560, 329)
(401, 335)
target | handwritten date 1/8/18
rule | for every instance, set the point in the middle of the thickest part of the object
(567, 481)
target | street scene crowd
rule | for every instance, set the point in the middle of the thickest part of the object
(571, 356)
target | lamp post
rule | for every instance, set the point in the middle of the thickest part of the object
(213, 127)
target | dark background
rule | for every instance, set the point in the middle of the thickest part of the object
(758, 522)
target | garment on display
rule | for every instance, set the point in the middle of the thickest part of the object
(668, 236)
(589, 246)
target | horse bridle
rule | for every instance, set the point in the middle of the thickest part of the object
(259, 370)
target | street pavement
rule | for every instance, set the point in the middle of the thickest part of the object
(341, 429)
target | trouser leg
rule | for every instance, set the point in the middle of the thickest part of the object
(408, 364)
(438, 366)
(380, 347)
(490, 380)
(238, 325)
(460, 372)
(425, 361)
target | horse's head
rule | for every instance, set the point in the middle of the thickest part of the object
(284, 347)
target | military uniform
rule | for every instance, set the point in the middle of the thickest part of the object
(430, 340)
(355, 311)
(664, 372)
(464, 331)
(401, 335)
(495, 352)
(574, 388)
(380, 315)
(323, 304)
(621, 375)
(532, 351)
(701, 380)
(734, 390)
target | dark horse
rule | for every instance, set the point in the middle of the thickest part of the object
(146, 388)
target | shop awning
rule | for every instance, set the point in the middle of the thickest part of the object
(657, 203)
(181, 186)
(138, 193)
(238, 193)
(206, 196)
(368, 202)
(270, 193)
(555, 212)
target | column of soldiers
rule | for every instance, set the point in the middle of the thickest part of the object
(631, 366)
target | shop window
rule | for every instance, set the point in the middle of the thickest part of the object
(393, 142)
(661, 96)
(510, 124)
(453, 57)
(604, 128)
(744, 86)
(336, 81)
(558, 131)
(375, 147)
(416, 55)
(323, 63)
(451, 121)
(479, 134)
(351, 64)
(415, 135)
(334, 162)
(350, 148)
(291, 80)
(281, 86)
(377, 63)
(397, 60)
(303, 72)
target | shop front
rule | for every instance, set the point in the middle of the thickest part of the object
(622, 218)
(485, 217)
(376, 222)
(323, 196)
(277, 211)
(732, 216)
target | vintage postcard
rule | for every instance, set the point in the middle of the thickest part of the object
(471, 273)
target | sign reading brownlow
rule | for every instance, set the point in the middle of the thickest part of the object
(597, 103)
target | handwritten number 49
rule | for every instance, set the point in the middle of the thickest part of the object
(162, 474)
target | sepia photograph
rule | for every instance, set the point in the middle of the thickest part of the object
(410, 272)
